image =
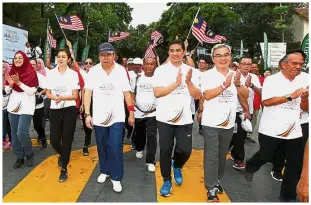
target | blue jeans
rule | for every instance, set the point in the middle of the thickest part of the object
(4, 124)
(21, 142)
(109, 142)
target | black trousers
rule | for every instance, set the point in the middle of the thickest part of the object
(146, 130)
(38, 122)
(47, 105)
(87, 131)
(62, 129)
(128, 127)
(279, 158)
(293, 155)
(183, 147)
(237, 142)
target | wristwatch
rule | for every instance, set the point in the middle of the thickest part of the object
(288, 97)
(252, 85)
(87, 114)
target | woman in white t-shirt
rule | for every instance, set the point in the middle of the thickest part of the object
(6, 130)
(62, 86)
(22, 81)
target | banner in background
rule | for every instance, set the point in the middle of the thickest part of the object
(85, 53)
(241, 49)
(305, 49)
(62, 44)
(276, 51)
(75, 49)
(13, 40)
(265, 54)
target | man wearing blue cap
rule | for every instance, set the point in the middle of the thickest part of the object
(109, 85)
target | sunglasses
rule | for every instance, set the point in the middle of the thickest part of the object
(88, 63)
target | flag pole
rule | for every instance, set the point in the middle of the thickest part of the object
(193, 23)
(60, 27)
(108, 36)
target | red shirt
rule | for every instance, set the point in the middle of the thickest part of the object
(257, 97)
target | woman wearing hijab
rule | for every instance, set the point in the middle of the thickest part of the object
(6, 130)
(22, 80)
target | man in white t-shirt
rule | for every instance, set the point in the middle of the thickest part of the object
(145, 114)
(28, 49)
(283, 96)
(251, 81)
(174, 86)
(109, 85)
(220, 87)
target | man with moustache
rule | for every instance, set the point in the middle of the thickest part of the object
(284, 95)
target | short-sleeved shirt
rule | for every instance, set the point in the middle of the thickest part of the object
(174, 108)
(281, 121)
(108, 94)
(42, 82)
(220, 111)
(251, 92)
(304, 116)
(62, 84)
(145, 99)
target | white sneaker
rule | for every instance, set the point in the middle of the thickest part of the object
(102, 178)
(139, 155)
(116, 185)
(151, 167)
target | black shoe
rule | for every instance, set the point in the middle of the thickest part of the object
(63, 175)
(219, 187)
(212, 195)
(85, 151)
(18, 163)
(248, 176)
(44, 143)
(60, 163)
(277, 176)
(30, 160)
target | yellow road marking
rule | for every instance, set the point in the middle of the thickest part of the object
(192, 189)
(41, 184)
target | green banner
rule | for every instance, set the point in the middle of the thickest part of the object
(85, 53)
(241, 49)
(62, 44)
(75, 49)
(305, 49)
(265, 41)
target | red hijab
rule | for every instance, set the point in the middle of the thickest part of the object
(26, 73)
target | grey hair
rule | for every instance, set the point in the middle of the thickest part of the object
(221, 45)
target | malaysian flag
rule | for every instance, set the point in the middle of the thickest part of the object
(157, 38)
(51, 40)
(204, 33)
(150, 53)
(70, 22)
(116, 36)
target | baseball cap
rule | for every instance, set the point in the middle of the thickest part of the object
(138, 61)
(106, 48)
(130, 61)
(236, 63)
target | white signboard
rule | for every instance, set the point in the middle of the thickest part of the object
(276, 51)
(13, 39)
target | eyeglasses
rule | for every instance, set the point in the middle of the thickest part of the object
(218, 56)
(245, 64)
(88, 63)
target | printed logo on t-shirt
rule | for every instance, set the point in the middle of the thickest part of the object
(107, 89)
(17, 108)
(291, 105)
(225, 97)
(179, 115)
(108, 119)
(145, 87)
(291, 128)
(60, 90)
(181, 89)
(225, 123)
(150, 109)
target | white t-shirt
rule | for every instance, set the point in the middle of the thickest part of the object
(133, 76)
(5, 98)
(219, 112)
(174, 108)
(22, 103)
(281, 121)
(108, 94)
(145, 99)
(251, 93)
(62, 84)
(83, 74)
(28, 52)
(42, 80)
(304, 116)
(38, 51)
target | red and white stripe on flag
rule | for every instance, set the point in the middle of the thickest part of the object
(76, 24)
(51, 41)
(156, 36)
(150, 52)
(122, 35)
(200, 35)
